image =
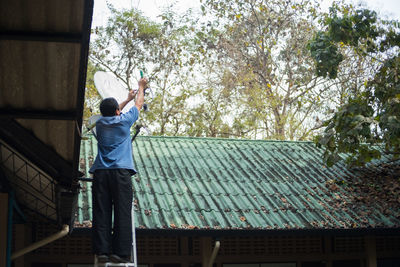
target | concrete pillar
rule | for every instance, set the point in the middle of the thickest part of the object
(370, 244)
(184, 241)
(205, 244)
(328, 250)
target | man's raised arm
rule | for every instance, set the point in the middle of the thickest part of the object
(131, 95)
(140, 94)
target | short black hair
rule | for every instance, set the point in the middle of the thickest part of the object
(108, 107)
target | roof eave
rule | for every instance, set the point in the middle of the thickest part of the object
(216, 233)
(85, 41)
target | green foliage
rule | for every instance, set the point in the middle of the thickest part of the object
(347, 132)
(348, 29)
(325, 54)
(367, 125)
(92, 97)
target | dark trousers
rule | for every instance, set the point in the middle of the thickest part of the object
(112, 188)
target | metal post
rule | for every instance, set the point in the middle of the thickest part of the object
(133, 236)
(214, 253)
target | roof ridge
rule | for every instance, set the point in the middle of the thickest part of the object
(221, 139)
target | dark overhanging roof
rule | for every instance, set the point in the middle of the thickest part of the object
(43, 60)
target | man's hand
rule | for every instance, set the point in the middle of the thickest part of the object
(131, 94)
(143, 83)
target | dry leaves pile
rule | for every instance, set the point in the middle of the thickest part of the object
(371, 191)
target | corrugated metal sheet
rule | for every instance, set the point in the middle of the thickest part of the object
(42, 75)
(43, 57)
(204, 183)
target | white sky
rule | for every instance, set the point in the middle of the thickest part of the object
(151, 8)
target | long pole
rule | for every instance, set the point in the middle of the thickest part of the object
(41, 243)
(214, 253)
(134, 236)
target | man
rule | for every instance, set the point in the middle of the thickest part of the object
(112, 184)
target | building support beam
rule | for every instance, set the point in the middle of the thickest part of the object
(184, 244)
(38, 114)
(328, 250)
(370, 244)
(57, 37)
(205, 248)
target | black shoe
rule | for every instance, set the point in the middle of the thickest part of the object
(120, 259)
(103, 258)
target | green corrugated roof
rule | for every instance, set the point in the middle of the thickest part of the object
(208, 183)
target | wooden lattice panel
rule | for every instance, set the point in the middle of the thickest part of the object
(259, 245)
(69, 245)
(387, 243)
(72, 245)
(349, 244)
(79, 246)
(308, 245)
(196, 246)
(158, 246)
(140, 246)
(236, 246)
(274, 245)
(41, 231)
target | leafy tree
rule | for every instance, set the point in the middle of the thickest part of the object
(241, 71)
(367, 125)
(125, 44)
(209, 117)
(130, 42)
(92, 97)
(263, 47)
(170, 75)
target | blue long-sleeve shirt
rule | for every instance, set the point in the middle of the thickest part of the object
(114, 142)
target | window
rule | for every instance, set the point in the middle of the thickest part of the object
(346, 263)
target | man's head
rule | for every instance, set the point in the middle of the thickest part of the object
(109, 107)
